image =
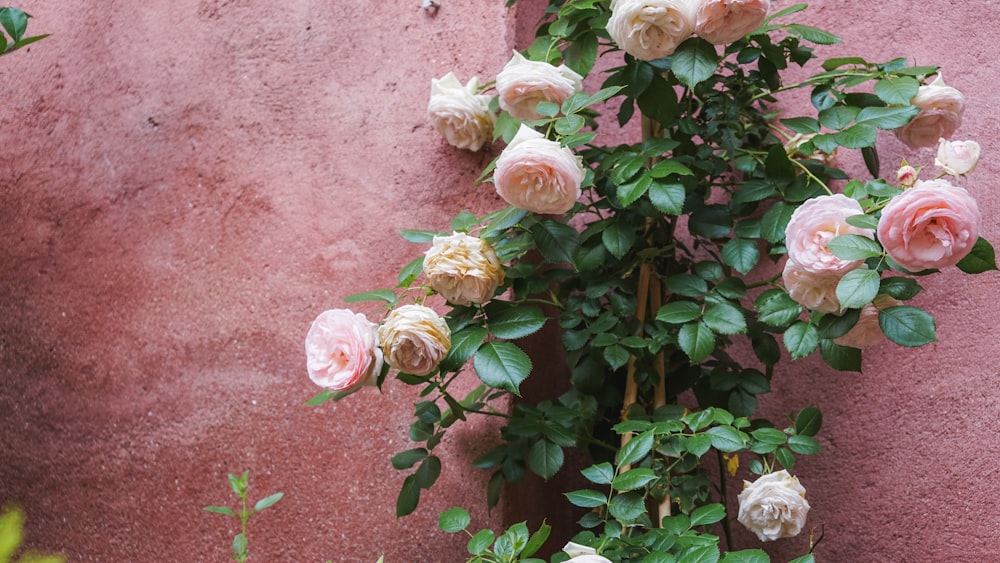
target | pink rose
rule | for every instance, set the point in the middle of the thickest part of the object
(538, 175)
(650, 29)
(414, 339)
(941, 109)
(523, 84)
(931, 225)
(813, 225)
(906, 175)
(957, 157)
(342, 350)
(816, 292)
(721, 22)
(464, 269)
(460, 113)
(867, 330)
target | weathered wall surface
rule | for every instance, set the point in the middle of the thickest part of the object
(185, 184)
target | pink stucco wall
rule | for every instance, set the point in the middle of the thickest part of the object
(186, 183)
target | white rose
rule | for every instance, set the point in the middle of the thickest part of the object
(651, 29)
(459, 113)
(538, 175)
(414, 339)
(774, 506)
(463, 269)
(583, 554)
(957, 157)
(523, 84)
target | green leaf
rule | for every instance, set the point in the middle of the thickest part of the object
(581, 54)
(776, 308)
(696, 340)
(15, 22)
(843, 358)
(838, 62)
(862, 221)
(408, 458)
(427, 474)
(742, 254)
(636, 449)
(419, 237)
(808, 421)
(268, 501)
(679, 312)
(411, 271)
(454, 520)
(774, 221)
(629, 193)
(216, 509)
(724, 318)
(907, 326)
(569, 124)
(479, 543)
(870, 155)
(708, 514)
(897, 91)
(627, 168)
(698, 444)
(616, 356)
(464, 344)
(813, 34)
(502, 365)
(838, 117)
(601, 474)
(463, 222)
(556, 241)
(857, 288)
(805, 445)
(808, 558)
(693, 61)
(667, 198)
(545, 458)
(857, 136)
(240, 544)
(322, 397)
(899, 287)
(513, 322)
(536, 542)
(627, 507)
(409, 497)
(618, 238)
(770, 436)
(501, 220)
(804, 125)
(587, 498)
(727, 438)
(711, 221)
(854, 247)
(687, 285)
(548, 109)
(785, 458)
(387, 295)
(801, 339)
(634, 479)
(746, 556)
(982, 258)
(665, 168)
(887, 117)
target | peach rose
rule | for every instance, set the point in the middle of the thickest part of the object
(721, 22)
(538, 175)
(816, 292)
(523, 84)
(867, 330)
(414, 339)
(774, 506)
(957, 157)
(459, 113)
(463, 269)
(650, 29)
(941, 109)
(906, 175)
(342, 350)
(931, 225)
(814, 224)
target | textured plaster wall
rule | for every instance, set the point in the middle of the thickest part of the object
(185, 184)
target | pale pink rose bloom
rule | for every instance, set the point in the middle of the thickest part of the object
(460, 113)
(941, 109)
(583, 554)
(538, 175)
(342, 351)
(774, 506)
(906, 175)
(523, 84)
(931, 225)
(867, 330)
(464, 269)
(721, 22)
(813, 225)
(651, 29)
(816, 292)
(957, 157)
(414, 339)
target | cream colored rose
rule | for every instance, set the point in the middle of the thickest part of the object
(463, 269)
(583, 554)
(816, 292)
(941, 109)
(414, 339)
(957, 157)
(651, 29)
(460, 113)
(721, 22)
(867, 331)
(774, 506)
(813, 225)
(342, 351)
(538, 175)
(523, 84)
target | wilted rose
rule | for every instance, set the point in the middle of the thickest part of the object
(931, 225)
(906, 175)
(583, 554)
(650, 29)
(463, 269)
(867, 330)
(721, 22)
(941, 109)
(813, 225)
(523, 84)
(414, 339)
(460, 113)
(816, 292)
(342, 350)
(957, 157)
(774, 506)
(538, 175)
(794, 146)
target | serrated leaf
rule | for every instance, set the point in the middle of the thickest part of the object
(464, 344)
(545, 458)
(454, 520)
(857, 136)
(427, 474)
(387, 295)
(785, 458)
(808, 421)
(502, 365)
(843, 358)
(982, 258)
(556, 241)
(636, 449)
(694, 60)
(698, 444)
(667, 198)
(616, 356)
(742, 254)
(408, 498)
(618, 238)
(907, 326)
(886, 117)
(746, 556)
(813, 34)
(897, 91)
(697, 340)
(776, 308)
(665, 168)
(725, 318)
(803, 125)
(627, 507)
(587, 498)
(801, 339)
(726, 438)
(862, 221)
(679, 312)
(708, 514)
(857, 288)
(480, 542)
(419, 237)
(854, 247)
(770, 436)
(536, 542)
(408, 458)
(629, 193)
(838, 117)
(513, 322)
(634, 479)
(805, 445)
